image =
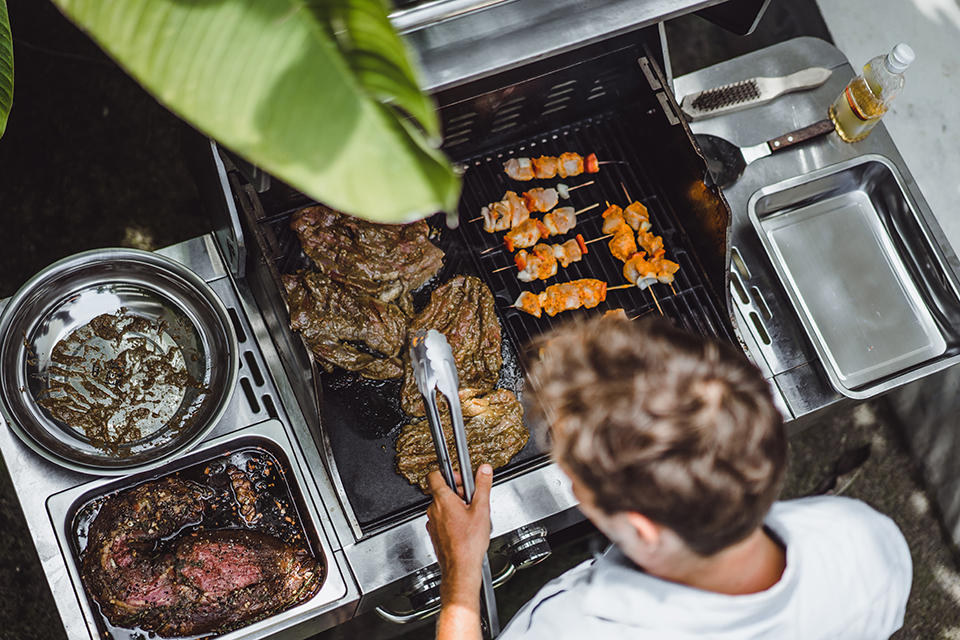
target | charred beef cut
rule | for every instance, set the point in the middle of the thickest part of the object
(205, 582)
(386, 261)
(331, 317)
(494, 428)
(463, 310)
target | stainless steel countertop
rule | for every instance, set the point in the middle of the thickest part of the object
(790, 360)
(35, 478)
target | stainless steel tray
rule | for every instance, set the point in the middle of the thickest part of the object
(831, 236)
(66, 507)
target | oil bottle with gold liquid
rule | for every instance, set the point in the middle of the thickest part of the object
(866, 98)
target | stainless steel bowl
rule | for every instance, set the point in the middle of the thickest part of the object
(114, 360)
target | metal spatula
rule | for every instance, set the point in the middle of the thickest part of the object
(435, 371)
(726, 161)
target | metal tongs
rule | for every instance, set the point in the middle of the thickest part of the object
(436, 372)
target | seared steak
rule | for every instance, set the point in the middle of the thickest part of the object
(495, 433)
(463, 310)
(332, 318)
(386, 261)
(142, 574)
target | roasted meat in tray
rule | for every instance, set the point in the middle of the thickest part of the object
(204, 551)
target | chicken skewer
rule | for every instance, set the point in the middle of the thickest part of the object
(531, 231)
(503, 215)
(541, 263)
(546, 167)
(586, 293)
(641, 270)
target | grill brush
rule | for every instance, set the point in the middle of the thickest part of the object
(749, 93)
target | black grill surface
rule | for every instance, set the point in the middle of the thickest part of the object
(361, 419)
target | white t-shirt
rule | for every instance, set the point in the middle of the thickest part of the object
(848, 575)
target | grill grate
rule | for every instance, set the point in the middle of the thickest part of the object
(614, 140)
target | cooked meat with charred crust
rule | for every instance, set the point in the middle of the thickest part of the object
(386, 261)
(332, 318)
(204, 582)
(463, 310)
(494, 428)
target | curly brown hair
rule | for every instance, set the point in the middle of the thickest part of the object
(665, 423)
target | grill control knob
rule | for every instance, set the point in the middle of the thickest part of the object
(425, 591)
(527, 546)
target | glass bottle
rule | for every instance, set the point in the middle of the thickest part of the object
(867, 97)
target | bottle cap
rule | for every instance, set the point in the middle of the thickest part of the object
(900, 58)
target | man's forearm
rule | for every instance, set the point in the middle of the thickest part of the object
(460, 607)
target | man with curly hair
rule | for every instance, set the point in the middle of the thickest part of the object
(676, 452)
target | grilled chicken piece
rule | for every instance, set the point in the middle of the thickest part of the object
(332, 317)
(519, 169)
(643, 271)
(537, 264)
(649, 242)
(529, 303)
(506, 214)
(526, 234)
(612, 219)
(494, 429)
(462, 309)
(386, 261)
(560, 221)
(542, 200)
(637, 217)
(546, 167)
(623, 244)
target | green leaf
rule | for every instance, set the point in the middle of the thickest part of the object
(377, 55)
(267, 80)
(6, 67)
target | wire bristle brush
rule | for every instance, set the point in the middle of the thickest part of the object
(749, 93)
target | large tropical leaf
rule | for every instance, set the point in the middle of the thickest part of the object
(6, 67)
(266, 79)
(377, 56)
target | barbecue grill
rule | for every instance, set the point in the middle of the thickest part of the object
(515, 79)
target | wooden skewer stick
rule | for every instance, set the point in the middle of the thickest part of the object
(655, 301)
(621, 286)
(672, 289)
(625, 192)
(609, 235)
(512, 266)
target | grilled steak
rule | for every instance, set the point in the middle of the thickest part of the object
(463, 310)
(495, 433)
(386, 261)
(333, 317)
(142, 574)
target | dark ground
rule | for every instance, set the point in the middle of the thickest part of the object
(90, 160)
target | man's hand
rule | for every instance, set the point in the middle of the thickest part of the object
(461, 536)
